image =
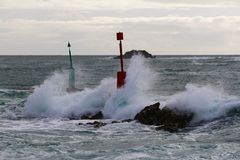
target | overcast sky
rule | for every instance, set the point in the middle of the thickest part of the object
(36, 27)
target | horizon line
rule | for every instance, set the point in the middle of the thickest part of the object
(232, 54)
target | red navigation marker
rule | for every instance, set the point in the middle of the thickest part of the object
(120, 36)
(121, 75)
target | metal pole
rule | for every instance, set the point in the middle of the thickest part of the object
(121, 56)
(71, 81)
(70, 55)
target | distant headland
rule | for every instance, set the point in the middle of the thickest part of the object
(131, 53)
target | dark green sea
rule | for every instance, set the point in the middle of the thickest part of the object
(34, 107)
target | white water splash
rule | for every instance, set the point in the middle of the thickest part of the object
(51, 99)
(206, 102)
(130, 99)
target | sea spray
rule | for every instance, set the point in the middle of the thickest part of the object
(41, 103)
(126, 102)
(206, 102)
(51, 99)
(48, 101)
(92, 100)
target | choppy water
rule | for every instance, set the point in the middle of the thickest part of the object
(33, 125)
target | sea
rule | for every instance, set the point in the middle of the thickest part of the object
(35, 108)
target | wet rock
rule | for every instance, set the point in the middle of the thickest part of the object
(89, 116)
(73, 117)
(115, 122)
(97, 124)
(131, 53)
(98, 115)
(126, 120)
(235, 111)
(168, 128)
(149, 115)
(167, 118)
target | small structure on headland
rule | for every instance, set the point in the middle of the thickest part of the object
(71, 80)
(131, 53)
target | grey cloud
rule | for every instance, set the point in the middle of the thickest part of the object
(160, 35)
(186, 27)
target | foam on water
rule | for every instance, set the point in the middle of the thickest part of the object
(51, 99)
(206, 102)
(127, 101)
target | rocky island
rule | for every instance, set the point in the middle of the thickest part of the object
(131, 53)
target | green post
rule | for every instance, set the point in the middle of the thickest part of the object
(71, 78)
(71, 81)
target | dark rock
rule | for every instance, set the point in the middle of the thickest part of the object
(131, 53)
(127, 120)
(74, 117)
(169, 128)
(235, 111)
(90, 116)
(98, 115)
(97, 124)
(149, 115)
(115, 122)
(169, 119)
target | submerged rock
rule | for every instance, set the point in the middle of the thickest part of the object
(98, 115)
(89, 116)
(97, 124)
(73, 117)
(131, 53)
(126, 120)
(168, 119)
(168, 128)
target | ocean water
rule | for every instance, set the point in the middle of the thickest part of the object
(34, 107)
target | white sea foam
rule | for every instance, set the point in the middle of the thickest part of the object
(127, 101)
(51, 99)
(206, 102)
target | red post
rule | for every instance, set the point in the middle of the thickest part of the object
(121, 75)
(121, 55)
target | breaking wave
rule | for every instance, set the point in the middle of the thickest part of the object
(206, 102)
(51, 99)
